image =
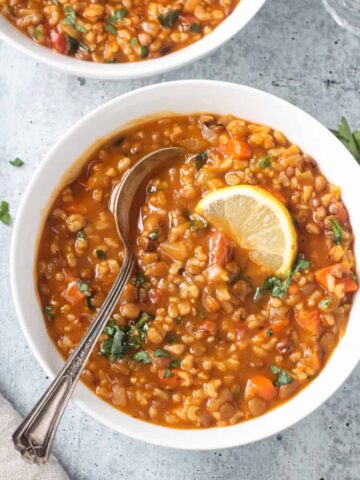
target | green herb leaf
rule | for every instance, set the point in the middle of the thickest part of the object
(154, 235)
(265, 161)
(167, 373)
(140, 280)
(49, 310)
(111, 29)
(142, 357)
(5, 216)
(301, 264)
(81, 235)
(133, 41)
(169, 18)
(351, 140)
(195, 28)
(325, 303)
(337, 230)
(268, 333)
(200, 160)
(73, 45)
(144, 51)
(283, 378)
(70, 19)
(172, 338)
(88, 302)
(100, 254)
(118, 15)
(159, 352)
(17, 162)
(118, 141)
(37, 33)
(175, 363)
(83, 287)
(80, 28)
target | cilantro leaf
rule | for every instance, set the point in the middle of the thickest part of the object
(142, 357)
(159, 352)
(5, 216)
(200, 160)
(283, 378)
(265, 161)
(169, 18)
(351, 140)
(337, 230)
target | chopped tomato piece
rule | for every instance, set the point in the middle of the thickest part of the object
(310, 321)
(170, 377)
(58, 41)
(236, 149)
(349, 283)
(260, 386)
(341, 213)
(219, 249)
(278, 325)
(209, 327)
(72, 293)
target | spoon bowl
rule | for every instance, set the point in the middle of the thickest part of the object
(34, 436)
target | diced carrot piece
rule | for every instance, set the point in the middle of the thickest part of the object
(209, 327)
(293, 288)
(310, 321)
(219, 249)
(321, 275)
(236, 149)
(173, 381)
(72, 293)
(278, 325)
(260, 386)
(274, 192)
(350, 285)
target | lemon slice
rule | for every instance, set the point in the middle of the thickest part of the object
(257, 221)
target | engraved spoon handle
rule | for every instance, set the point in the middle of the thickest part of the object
(34, 436)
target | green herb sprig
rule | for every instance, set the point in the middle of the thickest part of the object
(350, 139)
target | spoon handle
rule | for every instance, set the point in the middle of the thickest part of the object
(34, 436)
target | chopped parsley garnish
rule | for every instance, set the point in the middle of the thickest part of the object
(118, 15)
(283, 378)
(200, 160)
(167, 373)
(37, 33)
(49, 310)
(111, 29)
(144, 51)
(118, 141)
(169, 18)
(351, 140)
(17, 162)
(268, 333)
(337, 230)
(325, 303)
(142, 357)
(154, 235)
(278, 287)
(70, 19)
(140, 280)
(122, 340)
(5, 216)
(133, 41)
(264, 162)
(195, 28)
(175, 363)
(100, 254)
(159, 352)
(83, 287)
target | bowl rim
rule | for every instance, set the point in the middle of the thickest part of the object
(232, 24)
(278, 419)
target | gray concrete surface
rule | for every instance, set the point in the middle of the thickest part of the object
(293, 49)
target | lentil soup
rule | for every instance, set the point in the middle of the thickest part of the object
(112, 32)
(201, 336)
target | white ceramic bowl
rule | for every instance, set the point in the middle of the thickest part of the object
(183, 97)
(242, 14)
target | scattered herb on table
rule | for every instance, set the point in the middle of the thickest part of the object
(17, 162)
(5, 216)
(283, 378)
(337, 230)
(350, 139)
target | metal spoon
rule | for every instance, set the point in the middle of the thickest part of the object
(34, 436)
